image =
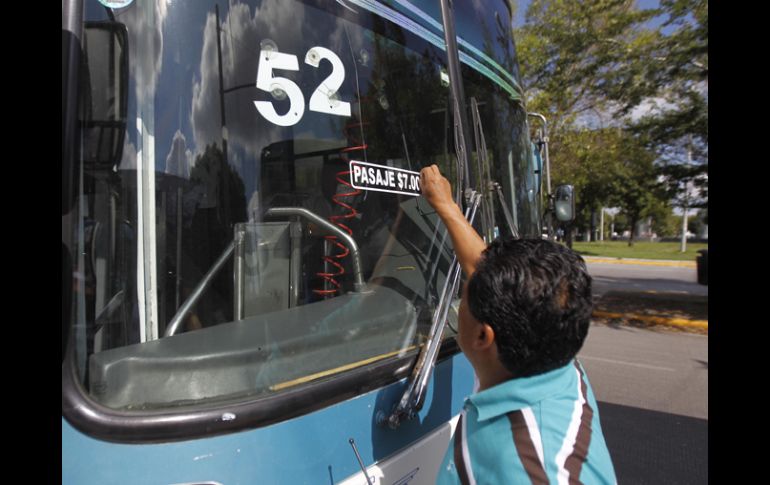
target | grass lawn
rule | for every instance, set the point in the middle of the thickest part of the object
(640, 250)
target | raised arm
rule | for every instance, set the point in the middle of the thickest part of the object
(467, 243)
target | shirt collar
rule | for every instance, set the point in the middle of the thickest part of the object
(522, 392)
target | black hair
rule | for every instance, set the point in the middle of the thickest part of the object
(536, 296)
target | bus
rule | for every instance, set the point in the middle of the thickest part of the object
(253, 290)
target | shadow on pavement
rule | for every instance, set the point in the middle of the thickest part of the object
(651, 304)
(603, 283)
(651, 447)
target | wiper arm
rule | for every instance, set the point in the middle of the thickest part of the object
(486, 177)
(414, 396)
(482, 161)
(506, 212)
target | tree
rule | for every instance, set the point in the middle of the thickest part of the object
(664, 222)
(589, 160)
(620, 221)
(675, 76)
(571, 53)
(699, 222)
(588, 66)
(636, 190)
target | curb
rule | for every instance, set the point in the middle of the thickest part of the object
(643, 262)
(677, 322)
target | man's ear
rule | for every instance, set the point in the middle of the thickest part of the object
(485, 337)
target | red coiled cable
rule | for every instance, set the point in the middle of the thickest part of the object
(343, 178)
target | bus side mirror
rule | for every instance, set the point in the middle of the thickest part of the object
(565, 203)
(104, 93)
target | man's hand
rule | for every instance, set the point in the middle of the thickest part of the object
(466, 241)
(436, 190)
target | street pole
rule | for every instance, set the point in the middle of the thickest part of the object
(683, 245)
(601, 224)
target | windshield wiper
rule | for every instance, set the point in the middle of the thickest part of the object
(484, 171)
(414, 396)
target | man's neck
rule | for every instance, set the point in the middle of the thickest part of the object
(496, 374)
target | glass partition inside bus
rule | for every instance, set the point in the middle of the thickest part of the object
(205, 267)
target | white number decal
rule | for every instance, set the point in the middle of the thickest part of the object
(279, 87)
(324, 98)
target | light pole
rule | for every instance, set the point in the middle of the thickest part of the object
(601, 225)
(683, 245)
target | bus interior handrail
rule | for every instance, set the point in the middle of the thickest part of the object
(358, 276)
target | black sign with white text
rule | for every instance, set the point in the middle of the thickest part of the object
(368, 176)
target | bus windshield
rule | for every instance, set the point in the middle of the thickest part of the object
(262, 227)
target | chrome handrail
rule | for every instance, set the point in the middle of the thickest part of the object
(358, 273)
(205, 282)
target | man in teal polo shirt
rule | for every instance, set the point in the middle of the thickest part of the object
(524, 315)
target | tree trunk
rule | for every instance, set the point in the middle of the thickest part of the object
(649, 222)
(633, 230)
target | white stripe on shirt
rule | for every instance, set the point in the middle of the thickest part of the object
(569, 440)
(466, 455)
(534, 433)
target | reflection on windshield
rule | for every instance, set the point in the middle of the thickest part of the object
(248, 119)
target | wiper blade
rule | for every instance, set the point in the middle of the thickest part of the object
(414, 396)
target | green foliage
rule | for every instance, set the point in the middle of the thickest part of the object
(664, 222)
(676, 74)
(571, 52)
(685, 184)
(621, 223)
(636, 192)
(696, 223)
(609, 167)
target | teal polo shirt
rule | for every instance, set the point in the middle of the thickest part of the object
(541, 429)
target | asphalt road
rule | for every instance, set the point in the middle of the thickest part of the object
(651, 385)
(655, 370)
(631, 277)
(653, 448)
(652, 391)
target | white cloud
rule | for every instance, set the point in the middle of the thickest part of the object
(179, 157)
(145, 38)
(240, 42)
(241, 36)
(128, 162)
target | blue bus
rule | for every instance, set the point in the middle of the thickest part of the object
(253, 290)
